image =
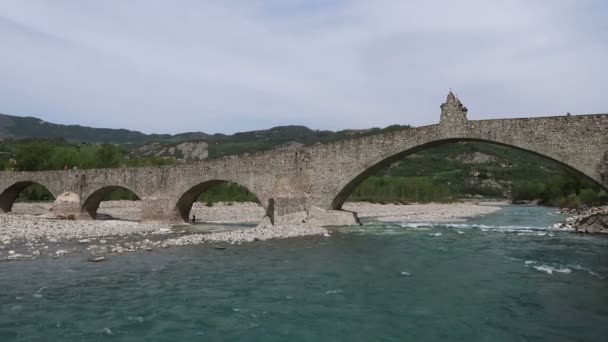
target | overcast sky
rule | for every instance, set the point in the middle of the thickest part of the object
(236, 65)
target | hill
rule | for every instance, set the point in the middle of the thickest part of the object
(16, 127)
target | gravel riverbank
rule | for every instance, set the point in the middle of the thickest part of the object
(429, 212)
(247, 212)
(31, 232)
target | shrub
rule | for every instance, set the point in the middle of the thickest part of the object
(527, 190)
(35, 193)
(402, 190)
(589, 196)
(227, 192)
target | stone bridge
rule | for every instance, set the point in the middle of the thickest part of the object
(310, 184)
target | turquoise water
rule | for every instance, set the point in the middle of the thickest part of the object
(502, 277)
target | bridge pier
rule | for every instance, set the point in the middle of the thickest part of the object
(321, 217)
(159, 209)
(68, 205)
(293, 210)
(287, 210)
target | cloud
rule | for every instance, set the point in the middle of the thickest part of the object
(228, 66)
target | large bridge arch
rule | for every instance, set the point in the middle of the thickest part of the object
(369, 168)
(579, 142)
(187, 198)
(9, 195)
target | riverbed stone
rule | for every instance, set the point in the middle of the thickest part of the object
(597, 223)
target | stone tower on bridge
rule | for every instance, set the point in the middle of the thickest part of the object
(453, 113)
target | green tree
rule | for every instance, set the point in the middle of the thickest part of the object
(33, 156)
(527, 190)
(109, 156)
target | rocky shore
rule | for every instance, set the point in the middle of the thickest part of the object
(130, 210)
(30, 231)
(586, 220)
(430, 212)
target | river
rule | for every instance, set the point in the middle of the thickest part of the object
(502, 277)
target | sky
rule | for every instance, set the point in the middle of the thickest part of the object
(238, 65)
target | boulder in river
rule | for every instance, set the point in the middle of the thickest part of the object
(597, 223)
(97, 259)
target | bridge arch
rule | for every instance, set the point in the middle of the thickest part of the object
(92, 201)
(185, 202)
(11, 193)
(360, 174)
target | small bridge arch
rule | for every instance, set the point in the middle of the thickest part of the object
(11, 193)
(185, 202)
(91, 203)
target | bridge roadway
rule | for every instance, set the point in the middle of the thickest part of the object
(311, 183)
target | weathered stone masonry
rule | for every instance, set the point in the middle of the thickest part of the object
(310, 184)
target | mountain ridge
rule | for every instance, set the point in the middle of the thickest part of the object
(18, 128)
